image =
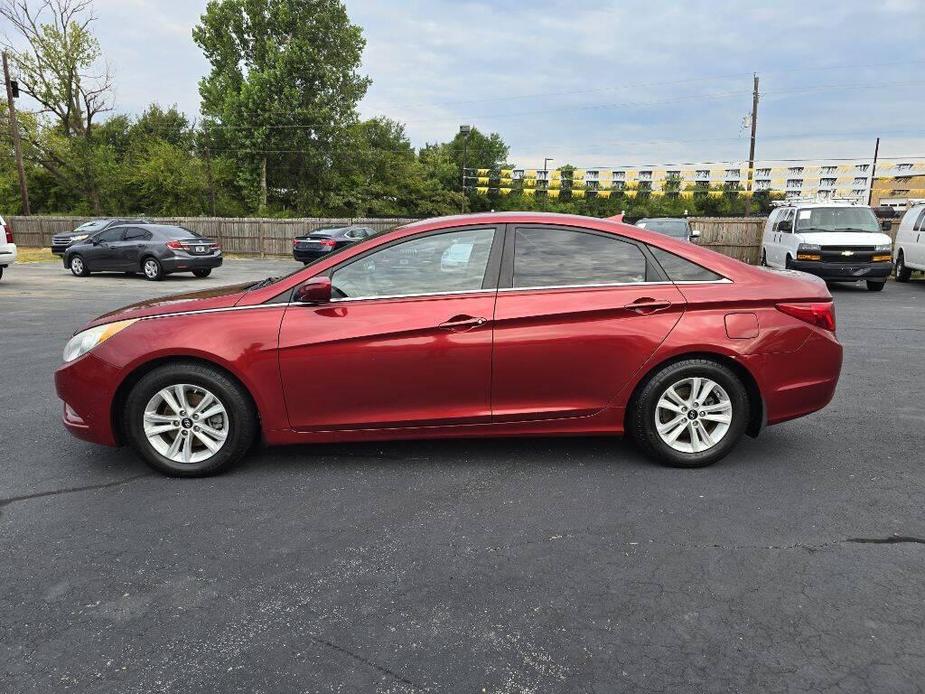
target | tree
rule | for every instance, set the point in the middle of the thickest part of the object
(283, 88)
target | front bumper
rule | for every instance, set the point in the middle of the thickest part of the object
(87, 386)
(59, 248)
(844, 272)
(185, 263)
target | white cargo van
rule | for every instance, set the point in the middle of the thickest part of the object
(837, 241)
(910, 243)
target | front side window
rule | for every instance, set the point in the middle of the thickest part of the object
(110, 235)
(442, 263)
(559, 257)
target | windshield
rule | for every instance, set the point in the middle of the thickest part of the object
(91, 226)
(669, 227)
(837, 219)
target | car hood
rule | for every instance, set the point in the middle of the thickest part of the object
(845, 238)
(219, 297)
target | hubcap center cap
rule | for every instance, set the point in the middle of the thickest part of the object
(187, 423)
(692, 415)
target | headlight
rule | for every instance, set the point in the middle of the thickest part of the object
(809, 247)
(884, 248)
(79, 237)
(84, 341)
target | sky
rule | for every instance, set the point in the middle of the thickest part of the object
(597, 84)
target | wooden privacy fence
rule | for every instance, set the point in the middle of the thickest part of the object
(242, 235)
(737, 237)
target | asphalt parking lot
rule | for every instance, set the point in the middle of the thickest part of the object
(535, 565)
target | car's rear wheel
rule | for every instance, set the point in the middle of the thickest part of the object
(152, 269)
(690, 413)
(875, 286)
(764, 258)
(189, 420)
(204, 272)
(903, 273)
(78, 266)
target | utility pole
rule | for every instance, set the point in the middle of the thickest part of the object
(751, 148)
(464, 130)
(546, 161)
(873, 173)
(14, 133)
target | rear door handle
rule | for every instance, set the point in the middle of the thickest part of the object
(647, 305)
(462, 323)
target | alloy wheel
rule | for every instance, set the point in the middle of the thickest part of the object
(77, 265)
(186, 423)
(693, 415)
(151, 269)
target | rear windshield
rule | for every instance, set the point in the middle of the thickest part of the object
(669, 227)
(836, 219)
(180, 233)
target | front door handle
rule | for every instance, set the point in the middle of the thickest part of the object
(462, 323)
(647, 305)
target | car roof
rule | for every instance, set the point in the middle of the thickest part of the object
(837, 203)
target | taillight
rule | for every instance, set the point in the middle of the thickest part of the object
(816, 313)
(175, 245)
(330, 243)
(9, 233)
(295, 242)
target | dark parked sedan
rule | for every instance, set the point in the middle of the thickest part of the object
(155, 250)
(319, 243)
(60, 242)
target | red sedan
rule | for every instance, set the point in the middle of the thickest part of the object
(479, 325)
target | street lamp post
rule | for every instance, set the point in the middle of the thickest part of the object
(464, 130)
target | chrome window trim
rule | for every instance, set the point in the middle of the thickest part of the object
(724, 280)
(213, 310)
(412, 296)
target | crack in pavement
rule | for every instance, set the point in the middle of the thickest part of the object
(366, 661)
(69, 490)
(892, 540)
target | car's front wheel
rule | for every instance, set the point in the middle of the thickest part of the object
(78, 266)
(690, 413)
(204, 272)
(189, 420)
(875, 286)
(152, 269)
(903, 273)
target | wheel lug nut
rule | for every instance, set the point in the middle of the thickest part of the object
(184, 432)
(195, 428)
(683, 409)
(195, 416)
(703, 414)
(182, 413)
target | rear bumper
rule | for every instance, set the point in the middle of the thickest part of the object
(844, 272)
(308, 256)
(87, 386)
(7, 255)
(179, 263)
(801, 382)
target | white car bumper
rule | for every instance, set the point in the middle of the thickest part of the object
(7, 254)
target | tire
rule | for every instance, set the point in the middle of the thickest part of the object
(152, 269)
(78, 266)
(764, 258)
(875, 286)
(237, 422)
(204, 272)
(903, 274)
(1, 272)
(727, 394)
(788, 264)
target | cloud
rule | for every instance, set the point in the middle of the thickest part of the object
(596, 83)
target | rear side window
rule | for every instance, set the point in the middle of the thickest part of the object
(679, 269)
(136, 234)
(546, 257)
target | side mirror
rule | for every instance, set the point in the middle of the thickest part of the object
(695, 234)
(886, 225)
(315, 291)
